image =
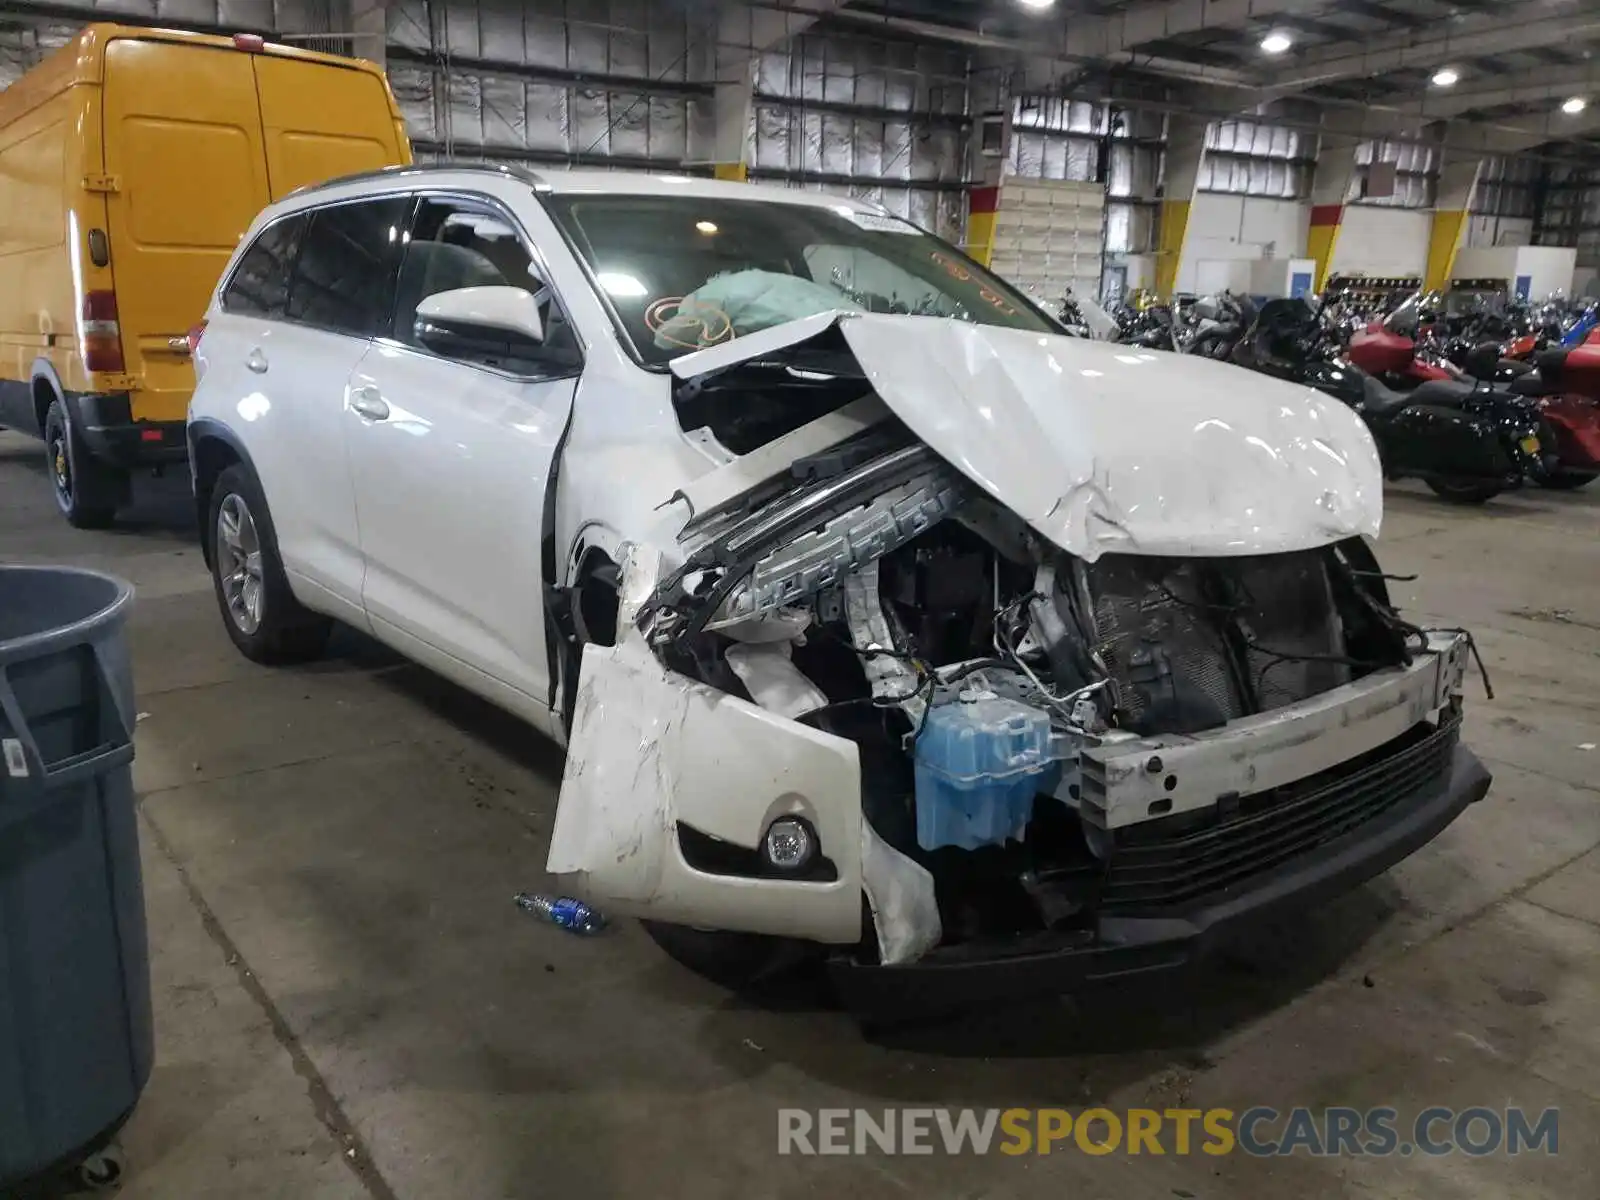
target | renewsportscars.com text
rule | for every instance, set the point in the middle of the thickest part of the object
(1259, 1131)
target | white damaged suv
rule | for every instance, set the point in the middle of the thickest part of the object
(881, 620)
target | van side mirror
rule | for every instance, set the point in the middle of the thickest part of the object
(464, 322)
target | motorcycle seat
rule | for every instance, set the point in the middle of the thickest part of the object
(1381, 400)
(1532, 384)
(1442, 393)
(1551, 364)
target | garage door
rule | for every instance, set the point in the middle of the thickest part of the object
(1050, 235)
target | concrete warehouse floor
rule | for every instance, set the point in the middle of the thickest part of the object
(349, 1005)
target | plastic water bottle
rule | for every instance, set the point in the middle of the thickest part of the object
(570, 914)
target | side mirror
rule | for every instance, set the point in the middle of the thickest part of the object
(479, 317)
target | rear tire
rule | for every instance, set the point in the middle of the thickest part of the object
(1566, 481)
(1464, 491)
(259, 610)
(88, 492)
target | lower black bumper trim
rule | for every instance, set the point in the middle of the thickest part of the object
(1122, 950)
(107, 426)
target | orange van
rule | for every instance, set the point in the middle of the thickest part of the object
(131, 161)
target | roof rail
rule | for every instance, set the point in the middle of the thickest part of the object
(504, 170)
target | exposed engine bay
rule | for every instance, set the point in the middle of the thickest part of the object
(874, 593)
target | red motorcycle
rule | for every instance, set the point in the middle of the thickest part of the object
(1388, 350)
(1567, 386)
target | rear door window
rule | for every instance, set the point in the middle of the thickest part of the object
(260, 283)
(345, 274)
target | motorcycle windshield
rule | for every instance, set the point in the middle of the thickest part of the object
(1403, 320)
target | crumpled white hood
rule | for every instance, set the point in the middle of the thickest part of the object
(1105, 448)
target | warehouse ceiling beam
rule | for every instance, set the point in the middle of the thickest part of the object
(1547, 87)
(1424, 48)
(1083, 41)
(1123, 32)
(1382, 12)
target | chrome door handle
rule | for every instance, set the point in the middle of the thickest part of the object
(256, 361)
(366, 402)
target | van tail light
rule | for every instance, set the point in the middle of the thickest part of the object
(195, 334)
(102, 335)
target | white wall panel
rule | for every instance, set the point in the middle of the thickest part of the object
(1484, 229)
(1226, 229)
(1376, 240)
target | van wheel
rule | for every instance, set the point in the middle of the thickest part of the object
(259, 610)
(88, 492)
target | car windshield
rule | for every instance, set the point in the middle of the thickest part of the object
(685, 272)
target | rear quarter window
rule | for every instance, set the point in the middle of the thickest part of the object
(259, 286)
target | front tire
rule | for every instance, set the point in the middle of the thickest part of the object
(1467, 491)
(259, 610)
(87, 491)
(750, 964)
(1567, 481)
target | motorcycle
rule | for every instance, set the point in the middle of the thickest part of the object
(1398, 352)
(1085, 318)
(1584, 328)
(1214, 325)
(1150, 328)
(1565, 384)
(1466, 440)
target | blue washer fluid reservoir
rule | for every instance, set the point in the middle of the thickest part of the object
(979, 762)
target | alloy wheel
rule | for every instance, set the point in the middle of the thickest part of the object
(239, 563)
(61, 471)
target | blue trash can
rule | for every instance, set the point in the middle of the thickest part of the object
(75, 1033)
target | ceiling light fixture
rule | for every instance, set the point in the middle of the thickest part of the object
(1276, 42)
(1447, 77)
(1037, 5)
(1574, 106)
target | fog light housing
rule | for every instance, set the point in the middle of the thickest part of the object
(789, 845)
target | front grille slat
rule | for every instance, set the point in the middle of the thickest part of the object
(1155, 873)
(1295, 818)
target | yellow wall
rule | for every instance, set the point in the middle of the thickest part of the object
(733, 172)
(1169, 245)
(1321, 237)
(1443, 242)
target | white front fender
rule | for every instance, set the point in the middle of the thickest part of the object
(649, 749)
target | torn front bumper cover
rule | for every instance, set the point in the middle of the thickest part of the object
(1343, 785)
(1128, 950)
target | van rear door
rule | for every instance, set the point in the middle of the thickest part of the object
(187, 173)
(321, 121)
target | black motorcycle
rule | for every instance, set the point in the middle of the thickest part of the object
(1468, 441)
